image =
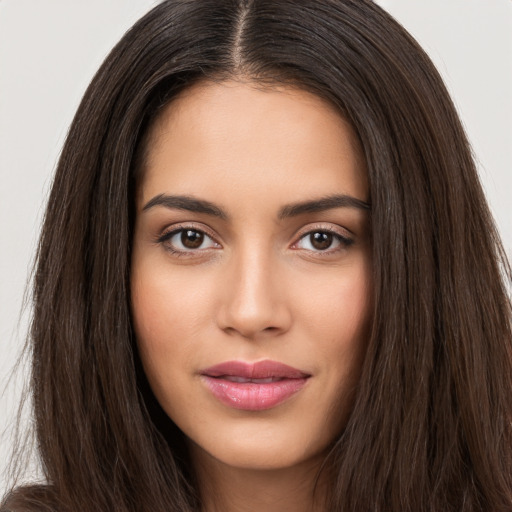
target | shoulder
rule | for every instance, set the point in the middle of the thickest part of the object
(31, 498)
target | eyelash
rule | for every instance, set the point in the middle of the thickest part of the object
(343, 240)
(165, 238)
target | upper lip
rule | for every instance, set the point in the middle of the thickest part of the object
(259, 370)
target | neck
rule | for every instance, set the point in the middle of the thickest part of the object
(226, 488)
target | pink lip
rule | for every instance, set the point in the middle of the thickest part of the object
(236, 383)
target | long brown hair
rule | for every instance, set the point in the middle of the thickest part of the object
(431, 428)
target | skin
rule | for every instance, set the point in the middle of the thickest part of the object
(257, 287)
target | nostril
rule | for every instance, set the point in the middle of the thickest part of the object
(250, 333)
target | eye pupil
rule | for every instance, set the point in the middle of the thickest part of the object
(321, 240)
(192, 239)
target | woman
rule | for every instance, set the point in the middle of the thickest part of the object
(268, 278)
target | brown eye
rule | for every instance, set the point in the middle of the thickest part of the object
(321, 240)
(187, 240)
(192, 239)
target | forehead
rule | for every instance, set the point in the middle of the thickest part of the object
(236, 136)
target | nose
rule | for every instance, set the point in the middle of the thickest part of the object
(254, 301)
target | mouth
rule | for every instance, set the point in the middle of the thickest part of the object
(253, 386)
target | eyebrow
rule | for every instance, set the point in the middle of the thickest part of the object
(321, 204)
(192, 204)
(188, 203)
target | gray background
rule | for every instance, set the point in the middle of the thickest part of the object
(49, 50)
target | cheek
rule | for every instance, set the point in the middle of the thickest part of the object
(172, 311)
(338, 309)
(352, 309)
(167, 306)
(164, 321)
(162, 342)
(151, 320)
(339, 325)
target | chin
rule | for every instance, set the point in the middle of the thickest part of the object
(263, 447)
(255, 458)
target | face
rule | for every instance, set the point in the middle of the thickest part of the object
(251, 272)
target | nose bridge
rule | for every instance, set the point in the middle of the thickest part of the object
(254, 301)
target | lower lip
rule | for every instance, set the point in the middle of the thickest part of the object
(251, 396)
